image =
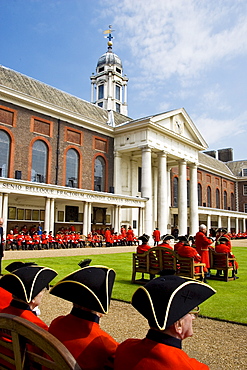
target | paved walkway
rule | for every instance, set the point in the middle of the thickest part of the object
(9, 255)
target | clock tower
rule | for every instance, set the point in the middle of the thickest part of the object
(109, 85)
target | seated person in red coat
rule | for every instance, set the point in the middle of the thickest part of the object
(223, 247)
(167, 303)
(144, 246)
(90, 291)
(186, 250)
(27, 285)
(167, 241)
(181, 240)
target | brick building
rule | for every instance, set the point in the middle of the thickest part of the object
(65, 160)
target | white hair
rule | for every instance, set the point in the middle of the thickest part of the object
(202, 227)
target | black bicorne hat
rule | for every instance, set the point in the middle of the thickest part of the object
(18, 264)
(27, 282)
(167, 237)
(221, 230)
(223, 239)
(144, 238)
(166, 299)
(183, 238)
(89, 287)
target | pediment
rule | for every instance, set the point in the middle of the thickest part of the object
(179, 123)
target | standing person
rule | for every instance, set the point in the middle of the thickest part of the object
(89, 289)
(202, 245)
(168, 303)
(156, 236)
(1, 244)
(107, 237)
(130, 236)
(223, 247)
(124, 234)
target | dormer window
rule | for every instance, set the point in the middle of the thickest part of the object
(244, 172)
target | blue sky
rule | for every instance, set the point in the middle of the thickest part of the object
(176, 53)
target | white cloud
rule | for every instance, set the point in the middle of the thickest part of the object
(180, 37)
(214, 130)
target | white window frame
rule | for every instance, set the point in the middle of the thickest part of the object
(245, 207)
(244, 189)
(244, 172)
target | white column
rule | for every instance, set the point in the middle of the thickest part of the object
(85, 219)
(115, 225)
(117, 173)
(228, 224)
(155, 195)
(208, 224)
(244, 225)
(182, 199)
(219, 221)
(52, 215)
(194, 219)
(237, 227)
(147, 188)
(119, 219)
(125, 93)
(140, 221)
(5, 214)
(133, 177)
(1, 205)
(47, 214)
(162, 198)
(92, 92)
(89, 217)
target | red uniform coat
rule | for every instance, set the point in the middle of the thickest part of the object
(156, 235)
(24, 313)
(187, 251)
(130, 235)
(5, 298)
(89, 344)
(202, 243)
(142, 248)
(140, 354)
(224, 248)
(165, 245)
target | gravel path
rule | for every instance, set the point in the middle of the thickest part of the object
(220, 345)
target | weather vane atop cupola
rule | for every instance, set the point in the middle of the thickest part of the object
(109, 37)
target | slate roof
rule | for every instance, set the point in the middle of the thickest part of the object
(208, 161)
(45, 93)
(237, 166)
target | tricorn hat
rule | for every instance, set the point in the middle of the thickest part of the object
(223, 239)
(221, 230)
(166, 299)
(183, 238)
(27, 282)
(18, 264)
(144, 238)
(167, 237)
(89, 287)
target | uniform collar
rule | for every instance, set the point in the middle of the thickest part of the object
(86, 315)
(160, 337)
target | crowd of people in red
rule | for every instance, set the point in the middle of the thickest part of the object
(195, 247)
(66, 237)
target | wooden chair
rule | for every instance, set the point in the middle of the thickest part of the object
(161, 258)
(221, 262)
(140, 265)
(186, 266)
(27, 346)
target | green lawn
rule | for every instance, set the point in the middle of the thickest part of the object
(229, 303)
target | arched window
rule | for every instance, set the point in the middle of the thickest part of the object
(99, 174)
(188, 193)
(225, 200)
(72, 167)
(199, 191)
(209, 196)
(175, 192)
(217, 196)
(232, 202)
(39, 161)
(4, 157)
